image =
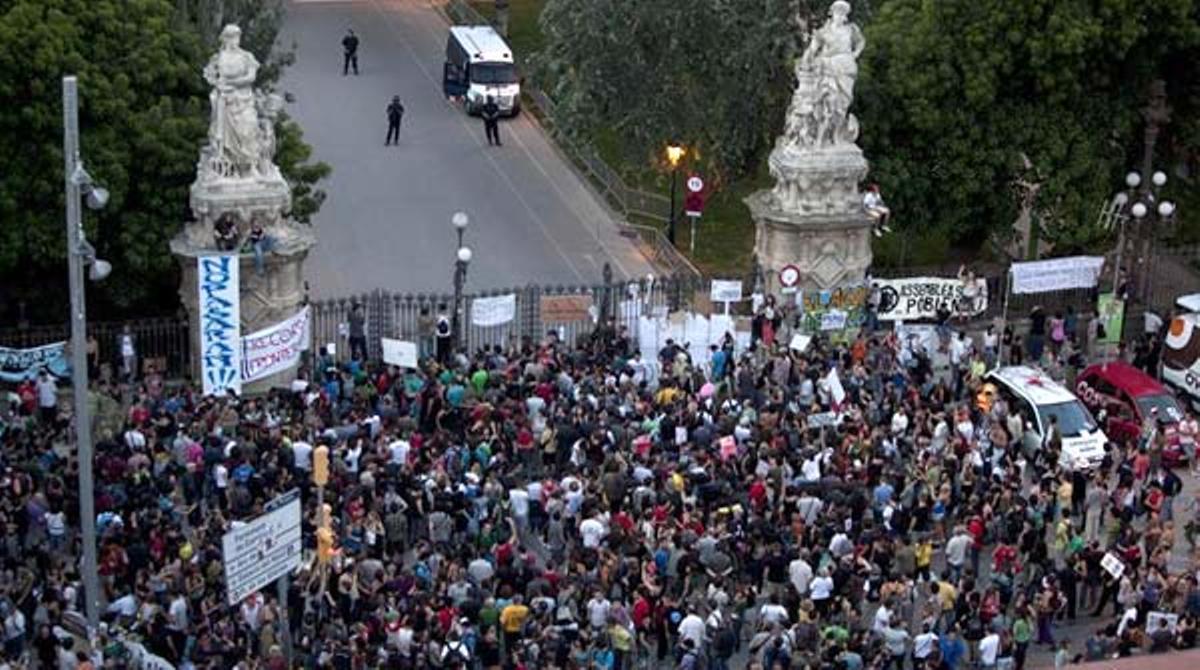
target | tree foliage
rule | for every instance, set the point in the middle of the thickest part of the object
(143, 117)
(956, 95)
(714, 75)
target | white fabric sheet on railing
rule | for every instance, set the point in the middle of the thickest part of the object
(1056, 274)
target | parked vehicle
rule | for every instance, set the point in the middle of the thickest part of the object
(479, 64)
(1038, 397)
(1181, 350)
(1124, 397)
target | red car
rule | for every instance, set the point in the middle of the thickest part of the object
(1126, 396)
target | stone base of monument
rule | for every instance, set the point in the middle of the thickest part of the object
(813, 218)
(266, 299)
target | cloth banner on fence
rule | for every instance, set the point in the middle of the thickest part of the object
(495, 311)
(20, 364)
(399, 353)
(220, 324)
(838, 313)
(276, 348)
(565, 308)
(923, 336)
(921, 297)
(1056, 274)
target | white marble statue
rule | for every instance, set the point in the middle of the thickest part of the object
(819, 114)
(234, 135)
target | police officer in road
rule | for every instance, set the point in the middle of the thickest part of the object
(349, 52)
(491, 121)
(395, 114)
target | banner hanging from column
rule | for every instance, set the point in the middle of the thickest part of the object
(276, 348)
(220, 324)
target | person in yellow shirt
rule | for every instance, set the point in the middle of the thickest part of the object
(512, 620)
(923, 553)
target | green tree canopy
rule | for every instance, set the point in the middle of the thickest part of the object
(143, 116)
(714, 75)
(956, 95)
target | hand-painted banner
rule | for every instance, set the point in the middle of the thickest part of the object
(220, 324)
(20, 364)
(914, 298)
(276, 348)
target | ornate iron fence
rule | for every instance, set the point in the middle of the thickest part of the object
(571, 311)
(162, 342)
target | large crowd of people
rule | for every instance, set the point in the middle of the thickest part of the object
(586, 505)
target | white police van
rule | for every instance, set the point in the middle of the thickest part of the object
(479, 63)
(1038, 397)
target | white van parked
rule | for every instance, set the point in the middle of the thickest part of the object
(1038, 397)
(480, 64)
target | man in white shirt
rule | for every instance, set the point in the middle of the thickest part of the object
(956, 551)
(597, 610)
(923, 645)
(773, 612)
(47, 394)
(302, 455)
(593, 531)
(989, 649)
(692, 628)
(800, 573)
(399, 449)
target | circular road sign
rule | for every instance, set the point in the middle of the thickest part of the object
(789, 276)
(695, 184)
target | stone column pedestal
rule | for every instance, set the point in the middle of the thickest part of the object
(266, 299)
(813, 218)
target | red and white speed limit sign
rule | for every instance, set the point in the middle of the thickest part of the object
(789, 276)
(695, 184)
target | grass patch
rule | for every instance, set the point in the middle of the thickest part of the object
(524, 32)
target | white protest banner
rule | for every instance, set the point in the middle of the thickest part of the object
(495, 311)
(824, 419)
(834, 319)
(1156, 620)
(1115, 566)
(799, 342)
(921, 297)
(400, 353)
(220, 323)
(276, 348)
(726, 290)
(1056, 274)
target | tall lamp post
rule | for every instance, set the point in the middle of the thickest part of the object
(675, 154)
(460, 277)
(460, 221)
(1142, 204)
(79, 185)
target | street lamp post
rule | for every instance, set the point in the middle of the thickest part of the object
(460, 278)
(78, 185)
(460, 221)
(1142, 204)
(675, 154)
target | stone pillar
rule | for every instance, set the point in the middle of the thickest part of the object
(813, 218)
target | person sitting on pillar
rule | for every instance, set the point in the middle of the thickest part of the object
(226, 232)
(877, 210)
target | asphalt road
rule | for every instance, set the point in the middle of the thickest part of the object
(386, 222)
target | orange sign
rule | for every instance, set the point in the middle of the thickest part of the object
(565, 308)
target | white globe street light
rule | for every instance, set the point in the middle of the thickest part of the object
(460, 220)
(1122, 198)
(1133, 180)
(464, 254)
(1159, 178)
(1138, 210)
(1166, 208)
